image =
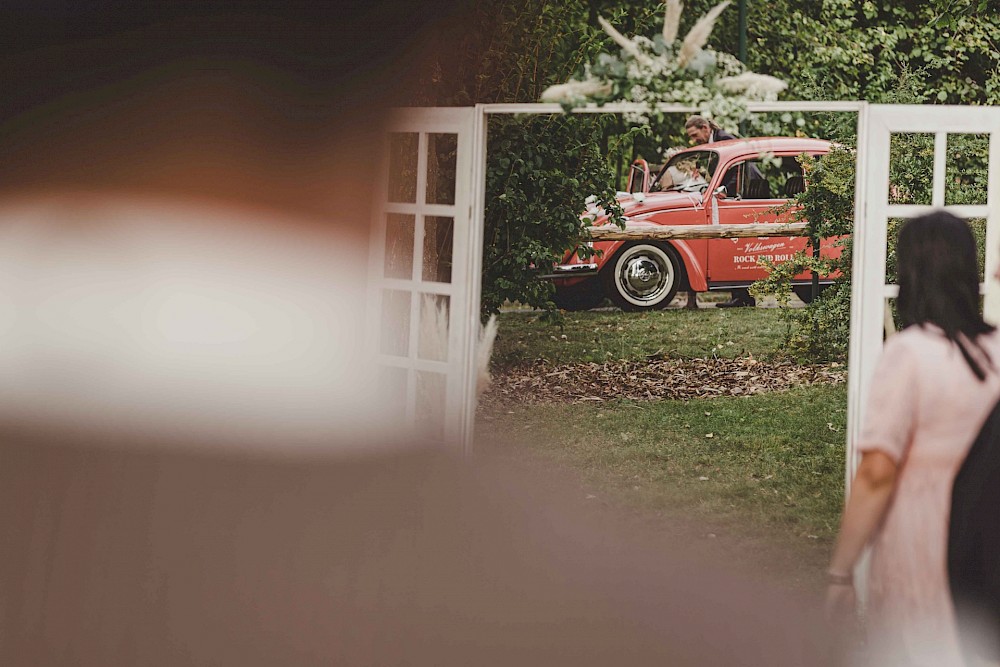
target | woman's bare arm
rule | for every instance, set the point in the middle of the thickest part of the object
(870, 495)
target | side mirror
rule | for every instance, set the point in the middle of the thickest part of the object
(717, 194)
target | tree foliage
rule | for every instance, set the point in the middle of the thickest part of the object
(540, 170)
(846, 49)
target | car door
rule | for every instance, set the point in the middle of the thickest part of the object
(756, 188)
(638, 177)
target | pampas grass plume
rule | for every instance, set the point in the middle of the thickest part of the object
(672, 21)
(698, 36)
(434, 340)
(621, 40)
(487, 335)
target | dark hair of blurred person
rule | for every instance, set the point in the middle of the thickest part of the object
(939, 281)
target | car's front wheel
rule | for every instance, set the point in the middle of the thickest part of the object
(643, 276)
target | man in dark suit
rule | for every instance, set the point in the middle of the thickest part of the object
(701, 130)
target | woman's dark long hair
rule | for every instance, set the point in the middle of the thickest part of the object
(939, 281)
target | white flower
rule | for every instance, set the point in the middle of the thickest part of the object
(634, 70)
(644, 44)
(639, 197)
(727, 64)
(690, 74)
(575, 91)
(754, 85)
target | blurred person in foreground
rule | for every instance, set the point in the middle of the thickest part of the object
(196, 466)
(935, 384)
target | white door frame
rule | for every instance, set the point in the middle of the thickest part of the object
(464, 291)
(870, 217)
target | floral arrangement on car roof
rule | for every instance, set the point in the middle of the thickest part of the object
(665, 70)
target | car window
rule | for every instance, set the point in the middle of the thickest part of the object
(635, 179)
(772, 177)
(688, 170)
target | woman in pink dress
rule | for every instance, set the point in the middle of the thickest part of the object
(934, 386)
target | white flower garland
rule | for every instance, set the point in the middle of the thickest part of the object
(658, 70)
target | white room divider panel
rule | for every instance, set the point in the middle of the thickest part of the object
(424, 271)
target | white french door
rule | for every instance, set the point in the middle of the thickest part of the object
(424, 271)
(882, 202)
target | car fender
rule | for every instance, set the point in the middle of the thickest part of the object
(697, 279)
(692, 267)
(607, 251)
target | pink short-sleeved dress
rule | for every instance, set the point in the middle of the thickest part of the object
(925, 409)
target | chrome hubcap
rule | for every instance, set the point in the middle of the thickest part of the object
(643, 277)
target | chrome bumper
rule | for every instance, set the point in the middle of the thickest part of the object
(571, 270)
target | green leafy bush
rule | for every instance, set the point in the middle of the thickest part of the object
(541, 172)
(821, 330)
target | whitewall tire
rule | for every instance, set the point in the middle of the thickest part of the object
(643, 276)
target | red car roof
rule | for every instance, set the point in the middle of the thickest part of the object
(732, 147)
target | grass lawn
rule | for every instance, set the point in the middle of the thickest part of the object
(775, 459)
(769, 465)
(612, 334)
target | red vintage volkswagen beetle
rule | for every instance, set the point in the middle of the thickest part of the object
(732, 182)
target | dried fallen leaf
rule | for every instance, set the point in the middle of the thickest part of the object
(649, 379)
